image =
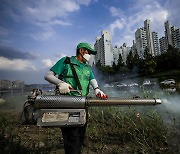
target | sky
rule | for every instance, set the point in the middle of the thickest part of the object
(35, 34)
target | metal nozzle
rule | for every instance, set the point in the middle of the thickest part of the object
(158, 101)
(119, 101)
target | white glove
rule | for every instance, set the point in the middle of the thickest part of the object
(64, 87)
(100, 94)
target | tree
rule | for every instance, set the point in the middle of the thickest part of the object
(169, 60)
(114, 67)
(147, 55)
(129, 60)
(170, 48)
(136, 59)
(148, 64)
(119, 65)
(98, 64)
(108, 70)
(120, 61)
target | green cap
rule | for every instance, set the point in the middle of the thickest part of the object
(87, 46)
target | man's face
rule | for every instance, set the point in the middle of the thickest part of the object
(83, 52)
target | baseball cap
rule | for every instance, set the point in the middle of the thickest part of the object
(87, 46)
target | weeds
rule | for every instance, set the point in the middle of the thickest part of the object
(110, 130)
(127, 129)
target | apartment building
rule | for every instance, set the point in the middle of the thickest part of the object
(145, 38)
(141, 41)
(103, 45)
(172, 37)
(155, 43)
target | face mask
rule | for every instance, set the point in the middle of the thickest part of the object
(87, 57)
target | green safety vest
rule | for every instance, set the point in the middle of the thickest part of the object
(83, 71)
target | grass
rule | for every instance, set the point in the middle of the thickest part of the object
(127, 130)
(110, 130)
(14, 102)
(26, 139)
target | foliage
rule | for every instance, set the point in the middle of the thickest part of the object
(168, 60)
(98, 64)
(111, 70)
(108, 69)
(130, 131)
(120, 63)
(136, 59)
(146, 65)
(110, 130)
(129, 60)
(114, 67)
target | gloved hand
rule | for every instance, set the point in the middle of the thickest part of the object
(100, 94)
(64, 87)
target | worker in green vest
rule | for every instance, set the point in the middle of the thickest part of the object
(67, 83)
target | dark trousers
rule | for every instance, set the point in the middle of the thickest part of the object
(73, 139)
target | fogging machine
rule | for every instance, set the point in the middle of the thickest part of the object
(67, 111)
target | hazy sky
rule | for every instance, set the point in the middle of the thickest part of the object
(34, 34)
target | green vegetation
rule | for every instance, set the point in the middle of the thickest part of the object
(15, 138)
(14, 102)
(147, 65)
(129, 131)
(110, 130)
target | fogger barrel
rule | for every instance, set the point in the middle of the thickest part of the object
(77, 102)
(69, 111)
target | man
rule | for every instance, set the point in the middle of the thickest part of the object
(67, 83)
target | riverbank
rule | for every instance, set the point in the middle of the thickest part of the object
(110, 130)
(120, 133)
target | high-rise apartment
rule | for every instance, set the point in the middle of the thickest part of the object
(172, 37)
(149, 38)
(116, 52)
(168, 33)
(141, 41)
(145, 38)
(176, 37)
(103, 45)
(123, 50)
(163, 46)
(155, 43)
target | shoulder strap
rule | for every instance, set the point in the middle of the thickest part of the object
(67, 61)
